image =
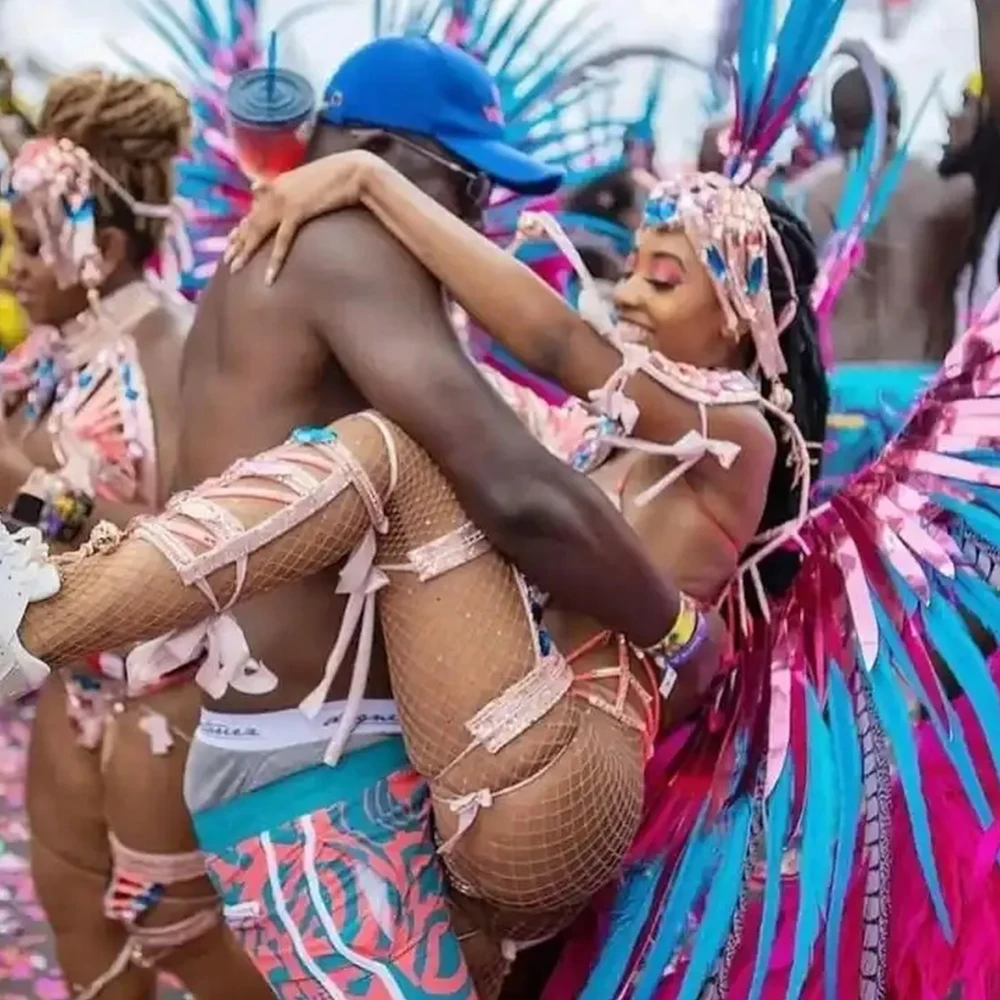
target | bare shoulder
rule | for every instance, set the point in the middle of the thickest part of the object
(335, 260)
(346, 241)
(350, 253)
(745, 425)
(957, 198)
(164, 330)
(926, 193)
(826, 171)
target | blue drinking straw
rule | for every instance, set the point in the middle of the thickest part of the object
(272, 64)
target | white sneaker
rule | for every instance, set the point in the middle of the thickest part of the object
(26, 576)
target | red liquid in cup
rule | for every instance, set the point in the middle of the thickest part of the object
(265, 153)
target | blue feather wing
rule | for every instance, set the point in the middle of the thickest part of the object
(890, 548)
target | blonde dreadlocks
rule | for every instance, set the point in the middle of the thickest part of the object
(132, 127)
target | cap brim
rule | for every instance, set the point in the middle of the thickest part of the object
(506, 165)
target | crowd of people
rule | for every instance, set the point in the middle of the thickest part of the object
(634, 709)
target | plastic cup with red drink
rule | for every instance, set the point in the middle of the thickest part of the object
(271, 116)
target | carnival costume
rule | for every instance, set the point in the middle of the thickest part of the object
(806, 807)
(85, 386)
(708, 834)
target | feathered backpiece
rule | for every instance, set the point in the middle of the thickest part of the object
(212, 188)
(772, 72)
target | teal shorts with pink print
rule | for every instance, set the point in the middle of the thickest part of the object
(331, 883)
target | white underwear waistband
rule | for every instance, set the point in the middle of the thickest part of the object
(290, 727)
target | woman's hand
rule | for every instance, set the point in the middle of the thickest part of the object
(292, 199)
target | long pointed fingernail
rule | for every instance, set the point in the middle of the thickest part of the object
(270, 276)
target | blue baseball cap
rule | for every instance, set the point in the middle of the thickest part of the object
(417, 86)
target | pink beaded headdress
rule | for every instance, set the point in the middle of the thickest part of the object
(730, 229)
(55, 178)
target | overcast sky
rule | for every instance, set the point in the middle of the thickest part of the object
(940, 39)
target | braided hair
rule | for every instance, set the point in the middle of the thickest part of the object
(805, 379)
(133, 128)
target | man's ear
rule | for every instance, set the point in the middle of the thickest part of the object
(113, 244)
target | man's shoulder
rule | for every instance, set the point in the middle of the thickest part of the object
(925, 193)
(918, 175)
(346, 241)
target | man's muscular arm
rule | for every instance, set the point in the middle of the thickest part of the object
(383, 317)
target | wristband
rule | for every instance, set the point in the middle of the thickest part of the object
(47, 501)
(679, 645)
(29, 504)
(65, 515)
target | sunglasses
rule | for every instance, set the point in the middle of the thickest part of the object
(478, 187)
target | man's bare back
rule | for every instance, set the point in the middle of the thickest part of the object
(254, 371)
(899, 304)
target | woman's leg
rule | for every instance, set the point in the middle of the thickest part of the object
(70, 858)
(182, 932)
(262, 533)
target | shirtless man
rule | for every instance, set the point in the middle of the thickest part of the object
(356, 322)
(899, 305)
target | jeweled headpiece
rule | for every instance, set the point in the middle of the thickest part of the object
(55, 177)
(730, 228)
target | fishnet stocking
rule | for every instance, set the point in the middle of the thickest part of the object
(130, 593)
(552, 811)
(543, 848)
